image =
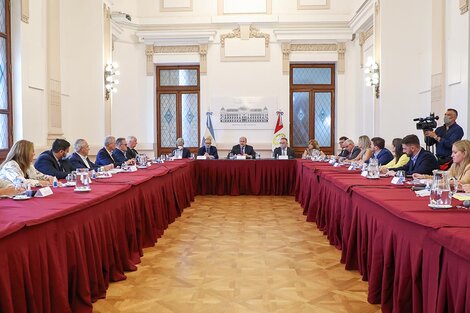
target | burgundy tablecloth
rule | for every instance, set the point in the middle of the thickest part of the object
(58, 254)
(241, 177)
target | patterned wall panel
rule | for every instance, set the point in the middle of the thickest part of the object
(323, 118)
(178, 78)
(168, 120)
(3, 131)
(312, 76)
(190, 117)
(3, 75)
(300, 118)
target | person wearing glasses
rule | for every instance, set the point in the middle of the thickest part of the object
(120, 154)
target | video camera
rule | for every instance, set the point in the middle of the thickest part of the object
(426, 123)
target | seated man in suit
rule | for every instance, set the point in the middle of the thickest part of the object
(181, 152)
(352, 151)
(382, 154)
(104, 156)
(342, 152)
(208, 150)
(421, 161)
(79, 159)
(243, 149)
(131, 144)
(120, 152)
(283, 149)
(53, 162)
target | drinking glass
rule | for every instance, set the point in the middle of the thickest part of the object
(230, 155)
(82, 182)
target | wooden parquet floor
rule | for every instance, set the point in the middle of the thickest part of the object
(240, 254)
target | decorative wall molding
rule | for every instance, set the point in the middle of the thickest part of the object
(175, 37)
(221, 9)
(302, 6)
(25, 11)
(150, 50)
(245, 33)
(363, 36)
(339, 47)
(236, 33)
(463, 6)
(164, 7)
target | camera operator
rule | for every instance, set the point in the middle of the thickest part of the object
(445, 136)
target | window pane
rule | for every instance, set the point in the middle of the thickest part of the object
(178, 77)
(323, 118)
(3, 131)
(312, 76)
(189, 119)
(168, 120)
(3, 75)
(300, 117)
(2, 16)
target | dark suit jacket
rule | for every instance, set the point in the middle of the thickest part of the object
(212, 151)
(355, 152)
(46, 163)
(383, 157)
(290, 152)
(103, 158)
(248, 150)
(119, 156)
(77, 162)
(425, 164)
(186, 153)
(343, 153)
(132, 153)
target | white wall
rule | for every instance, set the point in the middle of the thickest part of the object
(457, 57)
(404, 47)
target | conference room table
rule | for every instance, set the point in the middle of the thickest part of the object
(415, 259)
(59, 253)
(245, 177)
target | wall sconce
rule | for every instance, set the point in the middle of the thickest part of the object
(110, 81)
(372, 72)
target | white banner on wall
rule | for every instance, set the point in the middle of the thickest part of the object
(243, 112)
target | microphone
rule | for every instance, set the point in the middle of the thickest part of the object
(466, 203)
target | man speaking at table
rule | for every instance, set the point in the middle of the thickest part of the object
(243, 149)
(53, 162)
(283, 149)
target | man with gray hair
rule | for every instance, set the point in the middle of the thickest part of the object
(243, 149)
(79, 159)
(131, 144)
(120, 153)
(181, 152)
(104, 156)
(351, 149)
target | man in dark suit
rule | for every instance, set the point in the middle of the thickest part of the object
(79, 159)
(181, 152)
(131, 144)
(382, 154)
(208, 150)
(352, 151)
(243, 149)
(342, 152)
(53, 162)
(283, 149)
(120, 152)
(421, 161)
(104, 156)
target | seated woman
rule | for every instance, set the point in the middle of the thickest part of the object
(460, 168)
(366, 151)
(400, 158)
(19, 165)
(313, 146)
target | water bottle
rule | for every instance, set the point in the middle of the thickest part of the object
(55, 182)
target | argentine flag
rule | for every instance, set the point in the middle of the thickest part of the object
(209, 131)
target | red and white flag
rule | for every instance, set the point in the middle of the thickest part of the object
(278, 131)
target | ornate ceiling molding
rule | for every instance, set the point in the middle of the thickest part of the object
(463, 6)
(25, 11)
(172, 37)
(176, 49)
(363, 36)
(151, 50)
(314, 47)
(245, 33)
(339, 47)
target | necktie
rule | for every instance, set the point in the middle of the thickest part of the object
(243, 150)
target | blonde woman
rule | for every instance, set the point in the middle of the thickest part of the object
(366, 152)
(460, 168)
(400, 158)
(19, 165)
(313, 146)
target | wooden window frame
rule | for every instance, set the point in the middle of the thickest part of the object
(312, 89)
(178, 90)
(9, 110)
